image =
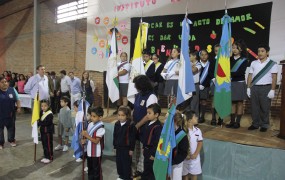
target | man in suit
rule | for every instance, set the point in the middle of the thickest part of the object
(54, 90)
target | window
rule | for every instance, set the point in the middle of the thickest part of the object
(71, 11)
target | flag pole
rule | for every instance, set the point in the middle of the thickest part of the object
(226, 9)
(83, 128)
(108, 103)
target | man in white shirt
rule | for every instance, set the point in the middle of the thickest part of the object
(75, 88)
(38, 83)
(64, 85)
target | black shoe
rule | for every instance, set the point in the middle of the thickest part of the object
(263, 129)
(220, 121)
(213, 122)
(137, 174)
(236, 125)
(252, 127)
(201, 120)
(230, 125)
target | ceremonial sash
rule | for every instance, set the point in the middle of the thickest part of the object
(180, 136)
(262, 72)
(204, 73)
(147, 65)
(95, 128)
(172, 65)
(121, 65)
(45, 115)
(237, 65)
(157, 65)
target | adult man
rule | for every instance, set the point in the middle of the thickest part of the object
(8, 98)
(54, 91)
(38, 83)
(75, 88)
(65, 85)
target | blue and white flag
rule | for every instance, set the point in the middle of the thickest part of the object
(186, 81)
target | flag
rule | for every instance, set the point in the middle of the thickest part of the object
(137, 63)
(186, 83)
(222, 95)
(35, 118)
(112, 80)
(163, 158)
(80, 115)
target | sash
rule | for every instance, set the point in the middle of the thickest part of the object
(180, 136)
(204, 73)
(157, 65)
(262, 72)
(45, 115)
(121, 65)
(237, 65)
(147, 65)
(95, 127)
(172, 65)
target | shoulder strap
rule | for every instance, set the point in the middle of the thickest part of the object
(148, 65)
(262, 72)
(172, 65)
(45, 115)
(150, 134)
(121, 65)
(237, 65)
(204, 73)
(180, 136)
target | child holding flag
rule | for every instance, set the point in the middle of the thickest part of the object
(171, 73)
(46, 129)
(151, 137)
(94, 137)
(192, 166)
(181, 150)
(124, 142)
(238, 85)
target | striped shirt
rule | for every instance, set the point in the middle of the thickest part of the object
(94, 150)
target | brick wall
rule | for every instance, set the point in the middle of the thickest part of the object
(63, 45)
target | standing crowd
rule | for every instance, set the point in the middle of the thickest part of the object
(137, 131)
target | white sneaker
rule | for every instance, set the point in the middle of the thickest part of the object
(1, 147)
(58, 147)
(79, 160)
(73, 156)
(119, 179)
(86, 169)
(13, 144)
(43, 160)
(65, 148)
(46, 161)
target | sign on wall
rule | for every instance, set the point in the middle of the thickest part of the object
(250, 23)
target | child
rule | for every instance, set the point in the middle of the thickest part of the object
(46, 129)
(124, 68)
(205, 79)
(76, 145)
(64, 124)
(196, 68)
(158, 80)
(238, 85)
(149, 66)
(124, 142)
(151, 137)
(193, 165)
(261, 88)
(95, 143)
(171, 73)
(181, 150)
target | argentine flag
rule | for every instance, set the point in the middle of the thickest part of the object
(186, 81)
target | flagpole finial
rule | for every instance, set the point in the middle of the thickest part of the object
(226, 9)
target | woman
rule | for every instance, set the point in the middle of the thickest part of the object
(143, 99)
(21, 84)
(88, 87)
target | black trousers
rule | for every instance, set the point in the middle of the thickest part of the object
(124, 162)
(55, 103)
(47, 142)
(9, 123)
(148, 170)
(94, 168)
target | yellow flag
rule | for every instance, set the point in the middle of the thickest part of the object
(36, 110)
